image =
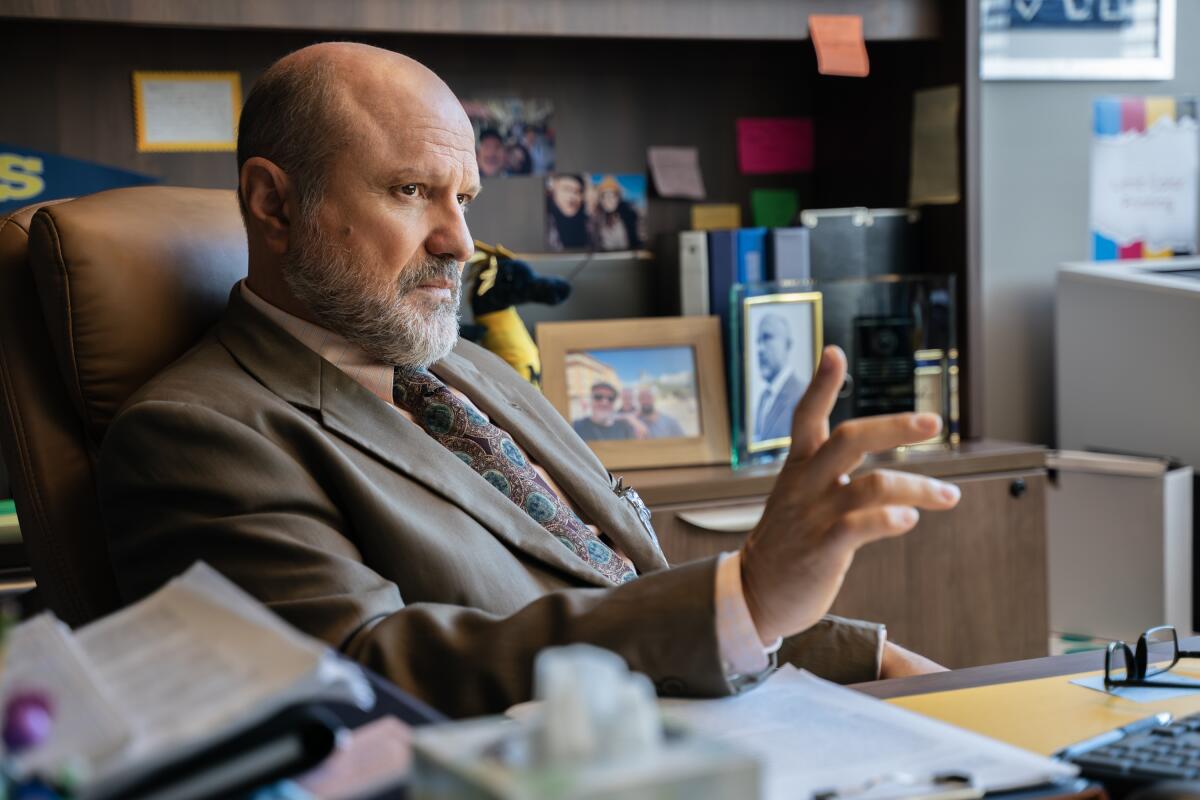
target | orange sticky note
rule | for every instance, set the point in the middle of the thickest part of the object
(841, 49)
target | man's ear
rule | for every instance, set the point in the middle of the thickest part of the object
(266, 193)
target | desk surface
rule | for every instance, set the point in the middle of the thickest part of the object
(992, 674)
(1031, 704)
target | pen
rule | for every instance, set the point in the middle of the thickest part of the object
(1116, 734)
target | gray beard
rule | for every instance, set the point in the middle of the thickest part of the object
(390, 322)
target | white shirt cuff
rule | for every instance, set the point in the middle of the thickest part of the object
(740, 646)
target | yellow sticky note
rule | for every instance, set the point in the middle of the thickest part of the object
(716, 216)
(933, 176)
(841, 49)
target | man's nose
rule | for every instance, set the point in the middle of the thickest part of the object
(450, 235)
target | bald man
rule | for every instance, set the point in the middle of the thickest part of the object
(333, 447)
(782, 387)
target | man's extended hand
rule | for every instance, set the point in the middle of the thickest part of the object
(795, 559)
(900, 663)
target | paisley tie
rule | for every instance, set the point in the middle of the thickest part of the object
(494, 455)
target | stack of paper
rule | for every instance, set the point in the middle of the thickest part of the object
(812, 736)
(198, 661)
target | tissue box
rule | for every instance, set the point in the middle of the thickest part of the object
(491, 759)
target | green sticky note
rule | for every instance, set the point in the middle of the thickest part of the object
(8, 507)
(774, 208)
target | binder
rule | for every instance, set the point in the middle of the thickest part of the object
(286, 744)
(693, 273)
(752, 257)
(788, 255)
(722, 274)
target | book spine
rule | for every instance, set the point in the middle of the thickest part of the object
(751, 244)
(693, 273)
(789, 254)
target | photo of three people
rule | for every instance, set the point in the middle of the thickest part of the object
(634, 393)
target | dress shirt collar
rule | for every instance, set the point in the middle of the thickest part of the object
(375, 376)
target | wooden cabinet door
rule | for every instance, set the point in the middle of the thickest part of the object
(965, 587)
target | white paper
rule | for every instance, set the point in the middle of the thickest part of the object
(814, 735)
(194, 662)
(187, 111)
(1144, 185)
(41, 657)
(676, 172)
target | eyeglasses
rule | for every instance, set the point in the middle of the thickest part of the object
(604, 398)
(1125, 666)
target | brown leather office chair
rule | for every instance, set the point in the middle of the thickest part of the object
(97, 294)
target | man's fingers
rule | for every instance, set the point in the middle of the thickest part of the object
(810, 420)
(868, 525)
(854, 439)
(884, 487)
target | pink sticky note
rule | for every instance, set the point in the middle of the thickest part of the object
(774, 144)
(841, 49)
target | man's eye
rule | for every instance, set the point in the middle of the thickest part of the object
(464, 200)
(410, 189)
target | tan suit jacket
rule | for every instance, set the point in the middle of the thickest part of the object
(256, 455)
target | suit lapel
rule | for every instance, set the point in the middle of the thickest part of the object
(300, 376)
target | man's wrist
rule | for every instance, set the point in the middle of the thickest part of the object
(744, 656)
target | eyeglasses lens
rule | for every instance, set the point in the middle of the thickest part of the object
(1160, 652)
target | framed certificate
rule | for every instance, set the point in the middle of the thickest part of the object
(177, 112)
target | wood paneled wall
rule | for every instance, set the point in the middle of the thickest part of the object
(68, 90)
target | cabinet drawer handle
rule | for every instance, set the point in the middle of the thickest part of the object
(1017, 487)
(728, 519)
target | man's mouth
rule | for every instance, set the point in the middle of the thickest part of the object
(441, 288)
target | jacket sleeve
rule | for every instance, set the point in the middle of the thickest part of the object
(180, 482)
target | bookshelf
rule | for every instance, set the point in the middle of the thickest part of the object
(623, 76)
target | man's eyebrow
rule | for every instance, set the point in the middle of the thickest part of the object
(474, 190)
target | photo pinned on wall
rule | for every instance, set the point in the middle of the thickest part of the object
(595, 211)
(778, 341)
(652, 394)
(512, 136)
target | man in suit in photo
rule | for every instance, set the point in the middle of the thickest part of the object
(783, 390)
(336, 450)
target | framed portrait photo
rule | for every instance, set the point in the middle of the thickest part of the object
(777, 345)
(640, 392)
(1077, 40)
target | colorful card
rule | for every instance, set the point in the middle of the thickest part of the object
(769, 145)
(716, 216)
(1145, 159)
(676, 172)
(841, 49)
(774, 208)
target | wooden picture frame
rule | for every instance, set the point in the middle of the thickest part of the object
(580, 358)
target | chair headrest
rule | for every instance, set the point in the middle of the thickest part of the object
(129, 280)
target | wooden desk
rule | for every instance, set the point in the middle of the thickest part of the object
(992, 674)
(966, 587)
(1030, 703)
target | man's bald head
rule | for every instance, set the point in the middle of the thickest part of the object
(303, 109)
